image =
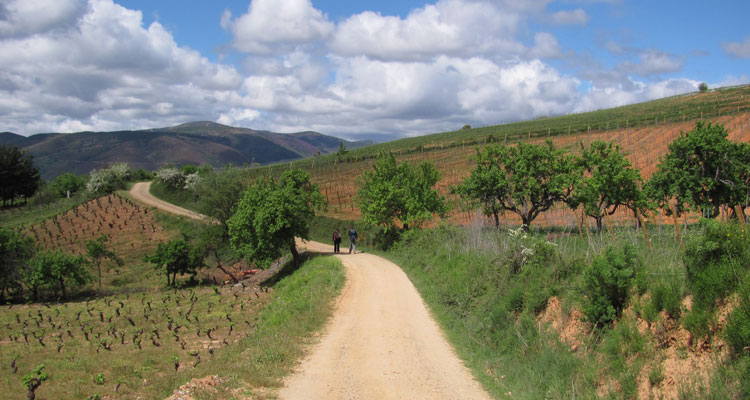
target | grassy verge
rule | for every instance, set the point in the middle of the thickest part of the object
(145, 345)
(34, 213)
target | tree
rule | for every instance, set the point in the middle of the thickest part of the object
(271, 214)
(18, 175)
(703, 87)
(15, 250)
(526, 179)
(176, 256)
(394, 193)
(109, 179)
(56, 270)
(342, 152)
(97, 251)
(608, 182)
(219, 192)
(703, 169)
(67, 184)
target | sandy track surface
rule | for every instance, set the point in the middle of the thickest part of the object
(380, 344)
(140, 192)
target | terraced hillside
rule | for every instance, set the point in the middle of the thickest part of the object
(643, 130)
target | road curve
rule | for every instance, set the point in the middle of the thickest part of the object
(381, 342)
(141, 192)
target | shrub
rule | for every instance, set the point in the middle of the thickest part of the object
(713, 261)
(607, 283)
(668, 297)
(738, 325)
(703, 87)
(515, 299)
(109, 179)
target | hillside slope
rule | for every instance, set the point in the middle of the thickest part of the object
(642, 130)
(196, 142)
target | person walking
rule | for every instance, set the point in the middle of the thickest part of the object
(352, 240)
(336, 241)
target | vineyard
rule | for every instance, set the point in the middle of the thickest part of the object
(643, 131)
(124, 345)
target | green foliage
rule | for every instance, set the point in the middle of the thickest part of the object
(219, 192)
(271, 214)
(100, 379)
(33, 380)
(15, 250)
(399, 193)
(176, 256)
(607, 284)
(738, 325)
(608, 182)
(703, 170)
(526, 179)
(97, 251)
(703, 87)
(67, 183)
(18, 175)
(715, 261)
(667, 296)
(56, 270)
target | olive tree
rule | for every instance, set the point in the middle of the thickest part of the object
(176, 256)
(271, 213)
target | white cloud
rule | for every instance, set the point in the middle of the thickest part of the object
(570, 17)
(449, 27)
(270, 23)
(652, 62)
(23, 17)
(738, 49)
(545, 46)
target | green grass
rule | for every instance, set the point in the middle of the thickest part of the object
(264, 335)
(33, 212)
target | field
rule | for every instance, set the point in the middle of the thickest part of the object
(136, 338)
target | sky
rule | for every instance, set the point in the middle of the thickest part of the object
(355, 69)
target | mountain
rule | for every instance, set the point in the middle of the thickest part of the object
(200, 142)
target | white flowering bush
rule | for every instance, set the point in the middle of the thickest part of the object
(172, 177)
(524, 247)
(109, 179)
(192, 181)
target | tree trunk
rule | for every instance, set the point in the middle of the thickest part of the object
(497, 220)
(99, 268)
(598, 220)
(295, 254)
(220, 266)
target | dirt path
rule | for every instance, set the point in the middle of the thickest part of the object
(380, 344)
(140, 192)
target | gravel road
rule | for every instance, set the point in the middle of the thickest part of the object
(381, 342)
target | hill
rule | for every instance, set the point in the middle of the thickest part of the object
(196, 142)
(642, 130)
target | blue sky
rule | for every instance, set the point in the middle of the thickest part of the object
(355, 69)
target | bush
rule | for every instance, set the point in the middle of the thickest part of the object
(109, 179)
(607, 284)
(714, 261)
(515, 299)
(668, 297)
(738, 325)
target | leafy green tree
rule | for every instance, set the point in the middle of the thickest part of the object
(342, 152)
(219, 193)
(67, 183)
(176, 256)
(526, 179)
(607, 284)
(56, 270)
(608, 182)
(97, 251)
(18, 175)
(15, 250)
(394, 193)
(271, 214)
(702, 170)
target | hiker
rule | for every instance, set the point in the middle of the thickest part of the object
(336, 241)
(352, 240)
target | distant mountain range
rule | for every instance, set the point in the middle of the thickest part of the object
(200, 142)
